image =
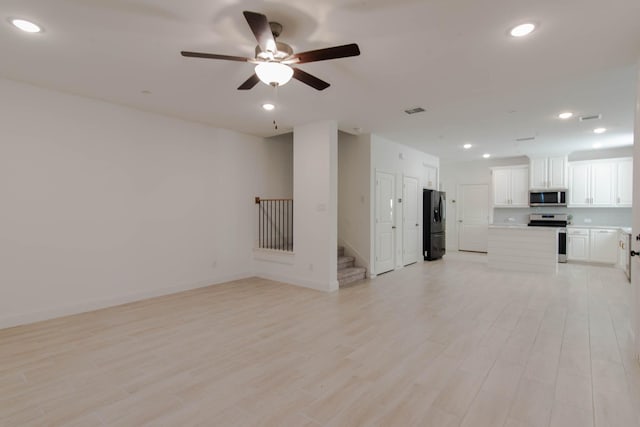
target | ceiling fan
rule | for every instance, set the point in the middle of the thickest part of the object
(275, 60)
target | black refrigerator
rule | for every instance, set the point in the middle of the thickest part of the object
(434, 220)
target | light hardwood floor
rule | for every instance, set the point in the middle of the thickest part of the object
(446, 343)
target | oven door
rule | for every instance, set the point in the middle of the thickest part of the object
(562, 245)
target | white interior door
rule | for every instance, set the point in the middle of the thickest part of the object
(385, 222)
(473, 217)
(411, 225)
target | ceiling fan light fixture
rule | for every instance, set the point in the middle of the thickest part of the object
(274, 73)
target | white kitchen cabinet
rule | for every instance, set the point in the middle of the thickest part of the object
(603, 245)
(579, 188)
(510, 186)
(548, 172)
(578, 244)
(601, 183)
(593, 244)
(538, 173)
(591, 184)
(431, 177)
(624, 257)
(624, 182)
(622, 249)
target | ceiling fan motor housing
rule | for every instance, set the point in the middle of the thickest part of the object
(284, 51)
(276, 29)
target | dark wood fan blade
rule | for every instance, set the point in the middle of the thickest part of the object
(343, 51)
(251, 82)
(310, 80)
(214, 56)
(261, 30)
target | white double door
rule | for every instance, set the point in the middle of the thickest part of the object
(391, 216)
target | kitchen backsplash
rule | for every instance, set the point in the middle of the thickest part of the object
(620, 217)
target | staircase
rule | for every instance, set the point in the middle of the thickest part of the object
(347, 271)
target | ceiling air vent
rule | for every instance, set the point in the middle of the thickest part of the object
(593, 117)
(414, 110)
(526, 138)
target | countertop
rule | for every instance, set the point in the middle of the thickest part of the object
(626, 230)
(521, 227)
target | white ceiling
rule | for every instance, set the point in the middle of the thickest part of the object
(452, 57)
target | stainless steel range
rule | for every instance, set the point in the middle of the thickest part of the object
(553, 220)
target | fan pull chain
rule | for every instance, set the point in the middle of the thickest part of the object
(277, 104)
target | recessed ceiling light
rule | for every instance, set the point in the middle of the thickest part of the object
(26, 26)
(597, 145)
(565, 115)
(486, 155)
(522, 30)
(467, 146)
(599, 130)
(268, 107)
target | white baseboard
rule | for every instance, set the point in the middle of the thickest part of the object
(83, 307)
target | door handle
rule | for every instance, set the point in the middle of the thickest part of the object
(393, 226)
(634, 253)
(459, 220)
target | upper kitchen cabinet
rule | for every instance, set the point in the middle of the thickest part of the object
(510, 186)
(548, 172)
(624, 182)
(430, 177)
(601, 183)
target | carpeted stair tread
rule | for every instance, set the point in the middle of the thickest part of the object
(345, 262)
(350, 275)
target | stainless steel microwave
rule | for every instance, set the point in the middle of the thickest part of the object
(548, 198)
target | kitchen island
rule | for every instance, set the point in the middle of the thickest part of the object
(523, 248)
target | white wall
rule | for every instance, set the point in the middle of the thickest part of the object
(277, 170)
(610, 153)
(315, 194)
(389, 156)
(103, 204)
(354, 193)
